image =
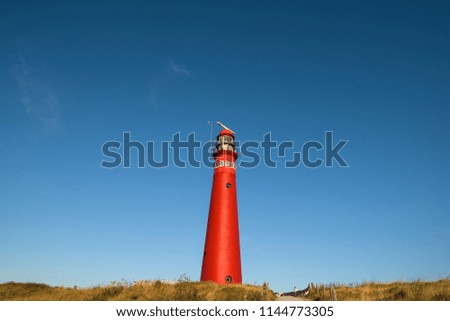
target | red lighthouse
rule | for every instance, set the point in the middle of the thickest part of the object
(222, 257)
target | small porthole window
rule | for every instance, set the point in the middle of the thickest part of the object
(228, 185)
(228, 279)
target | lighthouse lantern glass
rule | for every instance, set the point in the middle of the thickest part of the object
(225, 142)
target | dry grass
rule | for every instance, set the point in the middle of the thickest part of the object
(186, 290)
(397, 291)
(183, 290)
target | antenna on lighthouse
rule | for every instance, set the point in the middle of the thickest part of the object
(210, 136)
(210, 131)
(224, 127)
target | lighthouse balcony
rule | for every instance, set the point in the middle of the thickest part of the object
(225, 163)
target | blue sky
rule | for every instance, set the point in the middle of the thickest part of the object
(76, 75)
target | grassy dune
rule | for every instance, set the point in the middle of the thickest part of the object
(397, 291)
(205, 291)
(140, 291)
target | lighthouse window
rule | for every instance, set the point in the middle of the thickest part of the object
(226, 139)
(228, 147)
(228, 185)
(228, 279)
(221, 163)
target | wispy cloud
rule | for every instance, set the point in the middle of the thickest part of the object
(163, 79)
(38, 98)
(179, 69)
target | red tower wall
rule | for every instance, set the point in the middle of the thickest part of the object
(221, 257)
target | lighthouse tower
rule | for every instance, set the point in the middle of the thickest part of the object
(222, 257)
